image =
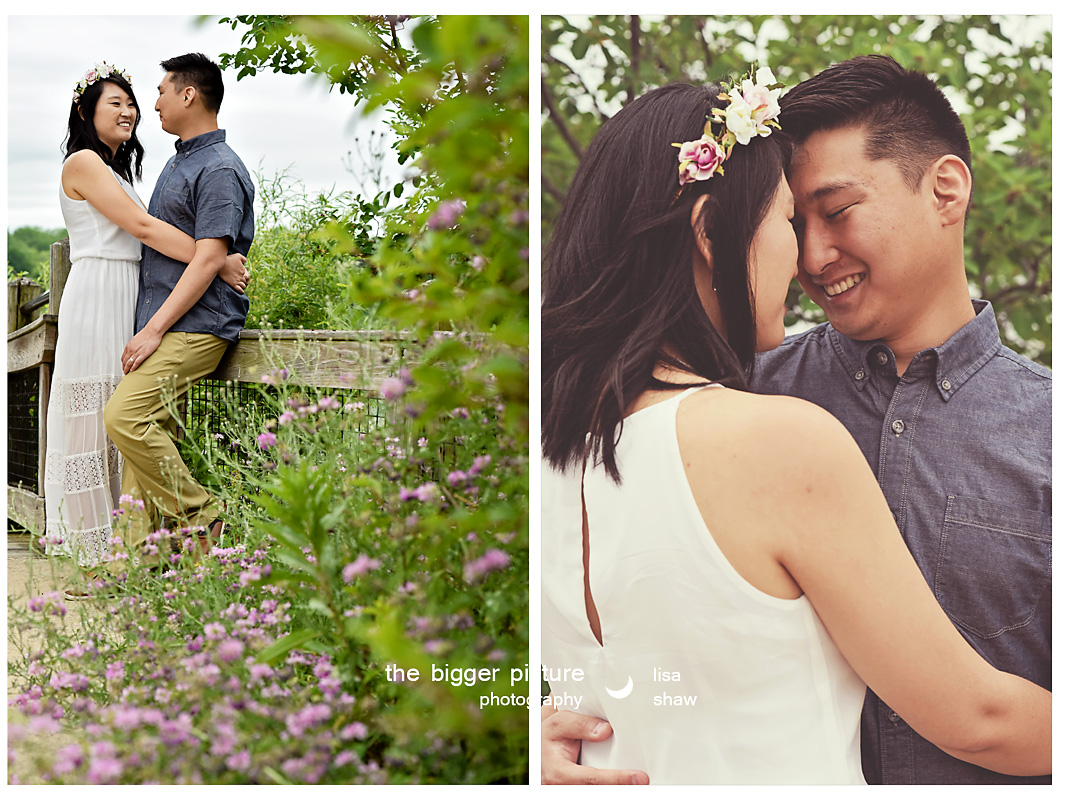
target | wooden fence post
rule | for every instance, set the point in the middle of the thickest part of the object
(58, 272)
(19, 292)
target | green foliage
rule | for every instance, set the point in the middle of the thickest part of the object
(594, 65)
(299, 279)
(354, 50)
(28, 252)
(454, 257)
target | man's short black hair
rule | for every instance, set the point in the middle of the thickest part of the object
(907, 117)
(200, 72)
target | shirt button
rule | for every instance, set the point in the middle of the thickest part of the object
(859, 375)
(894, 717)
(898, 426)
(946, 384)
(882, 358)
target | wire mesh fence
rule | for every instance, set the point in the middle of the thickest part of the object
(23, 428)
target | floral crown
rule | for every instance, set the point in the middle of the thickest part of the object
(97, 72)
(752, 111)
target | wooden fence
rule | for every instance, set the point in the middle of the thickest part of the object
(351, 360)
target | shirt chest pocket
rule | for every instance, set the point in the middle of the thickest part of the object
(994, 565)
(176, 205)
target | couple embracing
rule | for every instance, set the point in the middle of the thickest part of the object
(823, 561)
(140, 324)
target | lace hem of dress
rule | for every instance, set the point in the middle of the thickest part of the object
(85, 395)
(90, 546)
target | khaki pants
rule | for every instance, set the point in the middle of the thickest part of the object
(139, 423)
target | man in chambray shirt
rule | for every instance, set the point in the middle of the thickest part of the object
(186, 315)
(956, 426)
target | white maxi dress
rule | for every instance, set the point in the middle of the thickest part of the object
(704, 678)
(83, 468)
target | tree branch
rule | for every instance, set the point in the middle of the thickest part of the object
(635, 56)
(557, 119)
(601, 114)
(552, 189)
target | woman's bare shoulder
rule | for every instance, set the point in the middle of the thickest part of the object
(82, 161)
(770, 431)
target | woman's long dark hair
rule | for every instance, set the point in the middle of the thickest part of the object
(81, 133)
(619, 294)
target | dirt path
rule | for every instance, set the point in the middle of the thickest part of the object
(29, 575)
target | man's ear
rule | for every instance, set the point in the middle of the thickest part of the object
(952, 188)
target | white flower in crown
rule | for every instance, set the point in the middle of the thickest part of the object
(753, 106)
(97, 72)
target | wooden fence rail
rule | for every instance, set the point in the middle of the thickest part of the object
(354, 360)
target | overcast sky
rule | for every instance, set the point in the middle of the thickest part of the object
(273, 122)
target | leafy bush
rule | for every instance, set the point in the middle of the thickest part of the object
(28, 252)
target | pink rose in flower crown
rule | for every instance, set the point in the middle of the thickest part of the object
(699, 159)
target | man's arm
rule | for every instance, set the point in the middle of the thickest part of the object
(208, 260)
(562, 734)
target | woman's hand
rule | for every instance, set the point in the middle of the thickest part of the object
(235, 273)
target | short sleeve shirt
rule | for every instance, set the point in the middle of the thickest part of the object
(205, 191)
(961, 445)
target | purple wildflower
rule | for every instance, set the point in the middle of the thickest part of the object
(266, 440)
(446, 214)
(231, 649)
(427, 492)
(214, 630)
(239, 762)
(492, 560)
(307, 717)
(357, 730)
(68, 759)
(391, 388)
(361, 566)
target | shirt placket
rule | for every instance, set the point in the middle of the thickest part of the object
(901, 430)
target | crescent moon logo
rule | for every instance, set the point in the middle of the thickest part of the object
(618, 694)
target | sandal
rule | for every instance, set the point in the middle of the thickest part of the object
(88, 593)
(207, 536)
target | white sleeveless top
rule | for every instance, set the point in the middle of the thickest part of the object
(92, 235)
(729, 685)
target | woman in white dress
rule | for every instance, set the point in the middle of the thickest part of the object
(716, 565)
(106, 223)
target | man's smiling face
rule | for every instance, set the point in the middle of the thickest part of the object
(867, 240)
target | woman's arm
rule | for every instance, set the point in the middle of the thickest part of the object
(86, 177)
(814, 505)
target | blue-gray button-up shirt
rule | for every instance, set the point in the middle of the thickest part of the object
(206, 192)
(961, 445)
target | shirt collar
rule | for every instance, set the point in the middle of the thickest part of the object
(954, 362)
(187, 146)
